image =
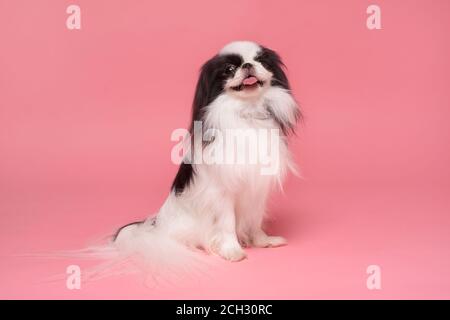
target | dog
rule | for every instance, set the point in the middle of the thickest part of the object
(216, 206)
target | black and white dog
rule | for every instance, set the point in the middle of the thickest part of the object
(219, 205)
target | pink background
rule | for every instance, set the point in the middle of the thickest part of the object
(86, 118)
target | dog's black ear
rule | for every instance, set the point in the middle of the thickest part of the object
(272, 62)
(204, 95)
(203, 90)
(291, 113)
(211, 82)
(201, 94)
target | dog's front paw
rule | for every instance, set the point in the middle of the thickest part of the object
(231, 252)
(269, 242)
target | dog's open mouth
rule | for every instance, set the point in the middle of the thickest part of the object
(251, 82)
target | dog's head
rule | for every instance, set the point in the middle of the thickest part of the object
(242, 69)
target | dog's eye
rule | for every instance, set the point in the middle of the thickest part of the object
(230, 68)
(264, 60)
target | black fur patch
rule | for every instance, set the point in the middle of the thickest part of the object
(211, 82)
(183, 178)
(272, 62)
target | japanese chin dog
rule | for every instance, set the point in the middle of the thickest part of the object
(242, 106)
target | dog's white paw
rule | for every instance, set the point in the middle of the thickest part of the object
(269, 242)
(231, 252)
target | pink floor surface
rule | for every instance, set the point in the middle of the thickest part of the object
(334, 234)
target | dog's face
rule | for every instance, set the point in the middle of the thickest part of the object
(242, 69)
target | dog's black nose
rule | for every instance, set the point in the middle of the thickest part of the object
(247, 65)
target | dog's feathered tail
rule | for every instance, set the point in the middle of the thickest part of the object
(141, 248)
(155, 252)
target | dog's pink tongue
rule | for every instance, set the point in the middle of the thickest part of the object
(249, 81)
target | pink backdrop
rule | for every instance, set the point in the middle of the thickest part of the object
(86, 117)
